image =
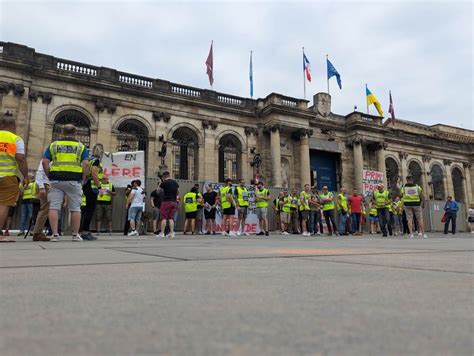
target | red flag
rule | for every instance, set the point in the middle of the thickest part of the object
(391, 110)
(210, 66)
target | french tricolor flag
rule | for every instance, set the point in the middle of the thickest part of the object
(307, 67)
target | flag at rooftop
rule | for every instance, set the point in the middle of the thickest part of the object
(210, 66)
(372, 99)
(333, 72)
(251, 75)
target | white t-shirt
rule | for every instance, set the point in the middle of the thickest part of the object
(20, 146)
(137, 200)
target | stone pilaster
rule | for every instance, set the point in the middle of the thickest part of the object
(449, 178)
(358, 164)
(381, 162)
(304, 160)
(424, 176)
(403, 167)
(275, 155)
(467, 181)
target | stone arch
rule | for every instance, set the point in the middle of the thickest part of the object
(78, 119)
(53, 114)
(392, 168)
(415, 169)
(192, 127)
(185, 143)
(231, 132)
(149, 129)
(132, 135)
(437, 181)
(458, 183)
(230, 153)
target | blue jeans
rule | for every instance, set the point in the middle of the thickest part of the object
(26, 211)
(315, 221)
(355, 222)
(342, 221)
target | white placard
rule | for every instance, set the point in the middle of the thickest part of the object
(123, 167)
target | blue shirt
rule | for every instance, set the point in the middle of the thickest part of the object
(451, 207)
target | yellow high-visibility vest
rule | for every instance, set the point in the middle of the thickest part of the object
(106, 197)
(381, 199)
(260, 194)
(8, 164)
(66, 160)
(242, 196)
(330, 205)
(411, 194)
(190, 202)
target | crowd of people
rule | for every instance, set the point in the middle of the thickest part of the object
(70, 180)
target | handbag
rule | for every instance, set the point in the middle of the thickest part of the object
(443, 219)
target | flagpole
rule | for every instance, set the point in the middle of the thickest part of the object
(327, 74)
(366, 99)
(251, 73)
(304, 79)
(212, 46)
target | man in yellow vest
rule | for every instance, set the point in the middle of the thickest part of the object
(413, 203)
(66, 165)
(190, 202)
(28, 193)
(305, 197)
(327, 201)
(242, 197)
(262, 198)
(12, 163)
(342, 210)
(285, 215)
(228, 208)
(382, 201)
(104, 204)
(295, 202)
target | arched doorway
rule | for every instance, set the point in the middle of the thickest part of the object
(437, 182)
(391, 167)
(414, 169)
(132, 136)
(458, 184)
(185, 154)
(230, 150)
(76, 118)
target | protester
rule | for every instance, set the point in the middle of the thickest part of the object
(42, 183)
(210, 204)
(28, 193)
(66, 165)
(169, 205)
(278, 208)
(382, 202)
(242, 201)
(342, 210)
(451, 209)
(413, 202)
(397, 223)
(156, 198)
(305, 209)
(315, 220)
(104, 204)
(356, 207)
(470, 218)
(128, 189)
(262, 198)
(191, 201)
(91, 189)
(13, 162)
(373, 218)
(228, 208)
(135, 199)
(294, 215)
(327, 200)
(285, 215)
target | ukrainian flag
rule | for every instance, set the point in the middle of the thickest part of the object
(371, 99)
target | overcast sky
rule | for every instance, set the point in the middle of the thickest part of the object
(421, 51)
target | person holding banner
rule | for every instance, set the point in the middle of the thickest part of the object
(191, 201)
(228, 208)
(262, 197)
(242, 196)
(327, 200)
(382, 202)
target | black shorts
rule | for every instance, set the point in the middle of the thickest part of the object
(211, 214)
(229, 211)
(191, 215)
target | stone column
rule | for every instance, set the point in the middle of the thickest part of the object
(358, 164)
(201, 159)
(467, 179)
(275, 155)
(304, 159)
(425, 171)
(403, 167)
(449, 189)
(381, 162)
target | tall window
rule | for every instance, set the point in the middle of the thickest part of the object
(414, 169)
(132, 136)
(77, 119)
(392, 173)
(230, 150)
(185, 154)
(437, 181)
(458, 184)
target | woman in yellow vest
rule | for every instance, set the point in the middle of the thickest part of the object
(28, 193)
(190, 202)
(227, 203)
(285, 215)
(373, 218)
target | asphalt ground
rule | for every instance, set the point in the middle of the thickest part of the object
(252, 295)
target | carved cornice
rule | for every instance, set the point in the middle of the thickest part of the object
(275, 128)
(402, 155)
(426, 158)
(355, 140)
(161, 115)
(302, 133)
(206, 124)
(466, 165)
(251, 131)
(101, 105)
(447, 162)
(18, 89)
(46, 97)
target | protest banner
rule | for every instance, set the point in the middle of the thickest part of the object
(123, 167)
(251, 223)
(370, 181)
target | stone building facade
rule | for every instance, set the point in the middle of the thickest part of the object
(210, 136)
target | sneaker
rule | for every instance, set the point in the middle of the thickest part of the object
(172, 235)
(261, 233)
(55, 238)
(21, 233)
(160, 235)
(411, 236)
(232, 234)
(286, 233)
(425, 236)
(239, 233)
(246, 234)
(40, 237)
(207, 233)
(266, 233)
(318, 234)
(224, 233)
(420, 234)
(76, 238)
(133, 233)
(88, 237)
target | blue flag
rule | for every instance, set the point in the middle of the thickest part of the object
(333, 72)
(251, 75)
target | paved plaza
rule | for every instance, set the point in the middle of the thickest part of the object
(239, 296)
